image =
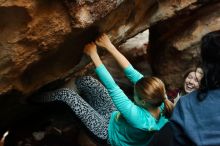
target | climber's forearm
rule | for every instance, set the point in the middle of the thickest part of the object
(119, 57)
(96, 59)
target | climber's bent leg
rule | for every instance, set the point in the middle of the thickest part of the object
(95, 122)
(96, 95)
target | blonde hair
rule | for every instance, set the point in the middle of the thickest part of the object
(152, 91)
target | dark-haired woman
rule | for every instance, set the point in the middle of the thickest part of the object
(196, 117)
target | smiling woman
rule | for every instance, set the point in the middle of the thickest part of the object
(192, 79)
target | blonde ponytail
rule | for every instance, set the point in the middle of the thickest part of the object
(168, 107)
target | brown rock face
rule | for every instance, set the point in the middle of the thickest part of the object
(85, 12)
(41, 41)
(30, 31)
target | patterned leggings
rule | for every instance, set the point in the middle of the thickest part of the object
(93, 110)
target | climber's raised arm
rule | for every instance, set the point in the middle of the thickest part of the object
(105, 42)
(132, 74)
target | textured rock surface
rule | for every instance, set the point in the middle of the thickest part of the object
(85, 12)
(31, 32)
(45, 38)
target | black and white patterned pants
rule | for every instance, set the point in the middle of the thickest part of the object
(94, 109)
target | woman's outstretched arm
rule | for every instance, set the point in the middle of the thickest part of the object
(105, 42)
(132, 74)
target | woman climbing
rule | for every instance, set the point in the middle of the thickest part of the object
(110, 114)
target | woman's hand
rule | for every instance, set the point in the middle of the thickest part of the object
(104, 41)
(90, 49)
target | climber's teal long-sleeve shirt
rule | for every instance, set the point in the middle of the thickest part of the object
(136, 125)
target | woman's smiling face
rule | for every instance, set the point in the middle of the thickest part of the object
(192, 81)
